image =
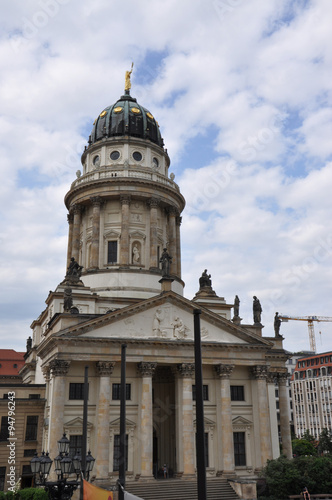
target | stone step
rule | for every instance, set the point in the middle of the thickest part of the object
(217, 489)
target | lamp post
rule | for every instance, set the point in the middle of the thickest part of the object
(62, 489)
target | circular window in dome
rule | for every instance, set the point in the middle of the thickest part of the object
(115, 155)
(136, 111)
(102, 114)
(118, 109)
(137, 156)
(149, 115)
(155, 162)
(96, 161)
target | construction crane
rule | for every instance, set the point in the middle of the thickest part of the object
(310, 320)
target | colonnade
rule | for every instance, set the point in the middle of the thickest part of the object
(170, 214)
(185, 433)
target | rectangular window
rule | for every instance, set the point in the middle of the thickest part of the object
(116, 392)
(31, 428)
(116, 452)
(75, 445)
(237, 393)
(112, 252)
(239, 449)
(29, 453)
(2, 478)
(34, 396)
(205, 392)
(4, 433)
(76, 390)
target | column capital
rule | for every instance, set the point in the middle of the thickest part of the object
(283, 377)
(186, 369)
(105, 368)
(172, 210)
(271, 377)
(59, 367)
(259, 372)
(178, 220)
(224, 371)
(146, 368)
(125, 199)
(70, 218)
(47, 373)
(153, 202)
(76, 208)
(96, 200)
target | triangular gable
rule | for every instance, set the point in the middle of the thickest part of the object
(241, 421)
(168, 317)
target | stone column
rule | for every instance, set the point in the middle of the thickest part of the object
(186, 433)
(259, 372)
(225, 419)
(153, 202)
(70, 218)
(178, 244)
(59, 369)
(146, 369)
(105, 370)
(172, 239)
(284, 415)
(271, 393)
(77, 210)
(94, 251)
(124, 241)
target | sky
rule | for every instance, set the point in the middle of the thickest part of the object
(242, 90)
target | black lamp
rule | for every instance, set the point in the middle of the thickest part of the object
(45, 464)
(90, 461)
(63, 445)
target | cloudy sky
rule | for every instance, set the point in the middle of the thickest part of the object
(242, 90)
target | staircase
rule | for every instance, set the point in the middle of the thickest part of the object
(177, 489)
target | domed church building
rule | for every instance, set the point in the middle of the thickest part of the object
(123, 285)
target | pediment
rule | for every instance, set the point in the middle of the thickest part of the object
(76, 423)
(241, 421)
(116, 423)
(167, 317)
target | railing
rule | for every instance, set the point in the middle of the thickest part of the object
(100, 174)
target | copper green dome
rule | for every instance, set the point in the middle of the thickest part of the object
(126, 118)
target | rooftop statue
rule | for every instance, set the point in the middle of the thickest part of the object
(205, 279)
(127, 78)
(257, 310)
(277, 323)
(236, 306)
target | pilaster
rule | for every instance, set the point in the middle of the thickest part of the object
(146, 369)
(225, 420)
(260, 372)
(185, 427)
(94, 253)
(124, 241)
(153, 203)
(70, 219)
(104, 369)
(77, 211)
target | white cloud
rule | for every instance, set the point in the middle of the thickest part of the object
(258, 72)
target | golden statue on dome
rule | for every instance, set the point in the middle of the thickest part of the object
(127, 78)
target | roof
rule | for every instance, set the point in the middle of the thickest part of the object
(10, 362)
(126, 118)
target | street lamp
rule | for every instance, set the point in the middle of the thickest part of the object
(64, 466)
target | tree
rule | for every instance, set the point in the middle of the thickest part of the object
(303, 447)
(325, 441)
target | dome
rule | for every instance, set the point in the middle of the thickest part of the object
(126, 118)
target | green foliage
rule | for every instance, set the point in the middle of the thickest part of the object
(285, 477)
(25, 494)
(303, 447)
(325, 441)
(308, 437)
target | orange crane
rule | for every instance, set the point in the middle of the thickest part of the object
(310, 320)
